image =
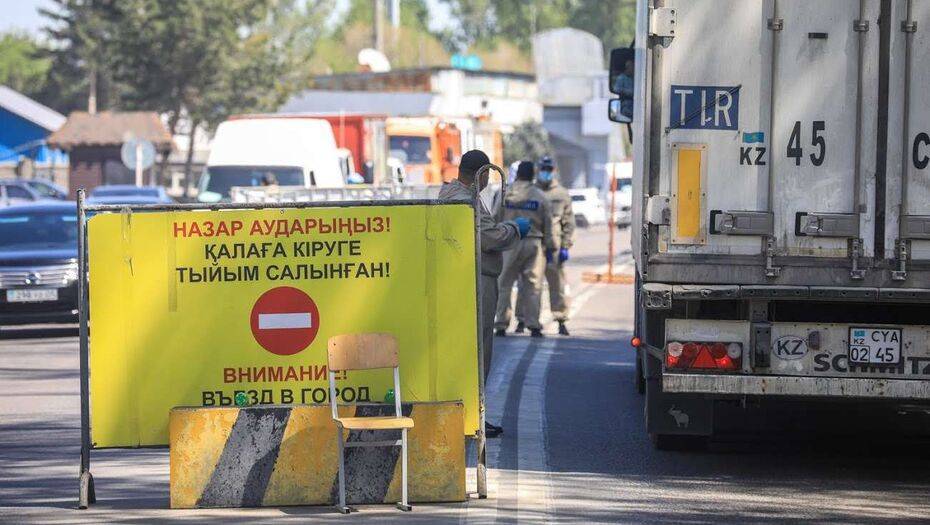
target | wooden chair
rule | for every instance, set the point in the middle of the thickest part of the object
(366, 352)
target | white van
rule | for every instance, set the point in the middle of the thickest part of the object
(588, 207)
(270, 151)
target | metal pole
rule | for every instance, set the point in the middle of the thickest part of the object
(139, 164)
(908, 26)
(906, 122)
(610, 221)
(482, 467)
(861, 28)
(86, 494)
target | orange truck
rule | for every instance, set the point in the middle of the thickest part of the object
(429, 148)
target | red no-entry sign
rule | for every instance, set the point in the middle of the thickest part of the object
(285, 320)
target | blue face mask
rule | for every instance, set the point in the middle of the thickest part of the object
(544, 176)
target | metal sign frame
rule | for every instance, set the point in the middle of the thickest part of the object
(87, 492)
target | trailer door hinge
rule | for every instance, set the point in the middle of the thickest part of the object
(855, 252)
(776, 24)
(861, 26)
(816, 224)
(657, 209)
(909, 26)
(741, 222)
(901, 253)
(915, 227)
(662, 22)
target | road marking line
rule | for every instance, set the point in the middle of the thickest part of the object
(284, 321)
(534, 488)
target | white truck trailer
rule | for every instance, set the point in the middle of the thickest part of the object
(781, 209)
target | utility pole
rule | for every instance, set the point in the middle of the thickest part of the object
(378, 25)
(395, 13)
(92, 92)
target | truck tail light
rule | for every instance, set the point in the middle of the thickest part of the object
(703, 355)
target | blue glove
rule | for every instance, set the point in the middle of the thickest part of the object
(523, 224)
(549, 256)
(563, 255)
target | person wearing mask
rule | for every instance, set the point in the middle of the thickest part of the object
(496, 238)
(527, 261)
(563, 230)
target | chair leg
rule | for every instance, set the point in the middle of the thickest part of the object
(342, 508)
(403, 505)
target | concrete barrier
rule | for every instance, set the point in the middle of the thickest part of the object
(286, 455)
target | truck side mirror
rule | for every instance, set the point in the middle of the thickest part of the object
(620, 58)
(615, 112)
(622, 68)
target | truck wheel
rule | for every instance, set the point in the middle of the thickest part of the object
(640, 374)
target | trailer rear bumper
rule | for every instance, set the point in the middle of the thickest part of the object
(838, 387)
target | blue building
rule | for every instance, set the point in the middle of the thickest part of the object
(24, 127)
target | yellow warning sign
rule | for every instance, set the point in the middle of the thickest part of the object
(218, 307)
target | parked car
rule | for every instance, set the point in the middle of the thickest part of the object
(38, 263)
(128, 194)
(46, 188)
(623, 203)
(13, 192)
(587, 207)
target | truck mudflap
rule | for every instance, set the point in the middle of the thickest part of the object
(828, 387)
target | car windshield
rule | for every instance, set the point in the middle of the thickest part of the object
(578, 198)
(42, 189)
(34, 229)
(104, 191)
(625, 184)
(219, 179)
(416, 149)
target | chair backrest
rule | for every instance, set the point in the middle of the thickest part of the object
(362, 351)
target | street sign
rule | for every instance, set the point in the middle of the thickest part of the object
(137, 151)
(285, 320)
(138, 155)
(214, 303)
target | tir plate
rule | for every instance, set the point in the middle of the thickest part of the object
(874, 345)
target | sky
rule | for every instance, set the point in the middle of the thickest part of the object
(24, 15)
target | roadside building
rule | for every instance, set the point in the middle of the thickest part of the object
(572, 82)
(24, 129)
(504, 98)
(93, 142)
(482, 105)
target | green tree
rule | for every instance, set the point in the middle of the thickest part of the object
(202, 60)
(481, 20)
(79, 75)
(528, 141)
(410, 45)
(22, 66)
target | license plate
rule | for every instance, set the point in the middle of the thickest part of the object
(32, 296)
(874, 345)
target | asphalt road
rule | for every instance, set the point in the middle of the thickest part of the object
(574, 448)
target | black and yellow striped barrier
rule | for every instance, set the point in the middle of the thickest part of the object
(286, 455)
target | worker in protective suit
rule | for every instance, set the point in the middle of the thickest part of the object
(496, 237)
(527, 260)
(563, 230)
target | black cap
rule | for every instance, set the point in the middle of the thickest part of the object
(546, 163)
(525, 171)
(472, 161)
